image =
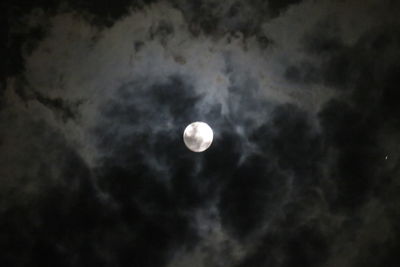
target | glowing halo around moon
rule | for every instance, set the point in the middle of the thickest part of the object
(198, 136)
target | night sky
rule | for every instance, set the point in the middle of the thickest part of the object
(303, 98)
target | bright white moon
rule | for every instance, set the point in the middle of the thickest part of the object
(198, 136)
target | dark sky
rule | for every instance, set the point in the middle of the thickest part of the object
(303, 98)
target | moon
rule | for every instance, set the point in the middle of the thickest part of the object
(198, 136)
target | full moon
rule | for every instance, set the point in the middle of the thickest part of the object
(198, 136)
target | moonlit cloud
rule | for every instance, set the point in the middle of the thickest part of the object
(302, 98)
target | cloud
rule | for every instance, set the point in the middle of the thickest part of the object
(302, 100)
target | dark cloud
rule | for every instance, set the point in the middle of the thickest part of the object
(357, 125)
(219, 18)
(48, 207)
(303, 246)
(59, 107)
